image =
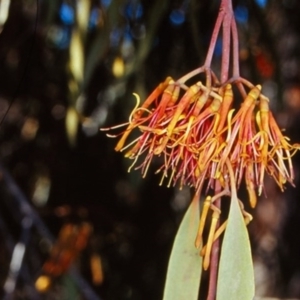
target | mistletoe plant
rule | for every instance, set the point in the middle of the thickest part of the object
(208, 145)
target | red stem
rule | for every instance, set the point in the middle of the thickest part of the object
(226, 19)
(236, 63)
(227, 7)
(228, 24)
(214, 258)
(235, 39)
(214, 38)
(189, 75)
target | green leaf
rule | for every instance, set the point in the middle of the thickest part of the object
(185, 264)
(236, 276)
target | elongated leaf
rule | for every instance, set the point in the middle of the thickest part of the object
(236, 276)
(185, 264)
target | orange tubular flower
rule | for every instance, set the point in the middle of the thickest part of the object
(240, 129)
(277, 150)
(136, 116)
(186, 145)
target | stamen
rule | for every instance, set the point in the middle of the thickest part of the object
(114, 127)
(137, 104)
(130, 144)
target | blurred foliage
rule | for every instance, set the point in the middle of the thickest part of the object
(58, 96)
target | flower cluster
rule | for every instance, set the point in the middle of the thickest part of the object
(195, 130)
(204, 142)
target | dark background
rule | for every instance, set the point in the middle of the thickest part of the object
(75, 176)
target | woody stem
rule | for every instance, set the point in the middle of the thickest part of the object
(214, 259)
(214, 37)
(225, 18)
(211, 49)
(235, 40)
(226, 6)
